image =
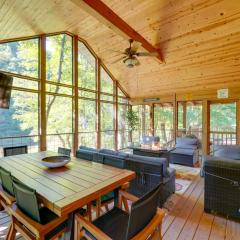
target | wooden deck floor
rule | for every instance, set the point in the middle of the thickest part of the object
(186, 221)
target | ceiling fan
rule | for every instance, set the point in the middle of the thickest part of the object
(131, 54)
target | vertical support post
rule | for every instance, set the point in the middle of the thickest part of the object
(43, 120)
(175, 117)
(143, 118)
(130, 136)
(152, 119)
(75, 94)
(206, 127)
(116, 116)
(98, 107)
(184, 104)
(238, 121)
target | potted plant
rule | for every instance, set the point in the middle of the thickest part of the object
(132, 121)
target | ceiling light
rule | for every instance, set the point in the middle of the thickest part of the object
(131, 62)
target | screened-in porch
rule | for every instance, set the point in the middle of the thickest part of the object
(119, 120)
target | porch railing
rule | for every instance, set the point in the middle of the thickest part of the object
(59, 140)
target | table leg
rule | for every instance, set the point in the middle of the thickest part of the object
(70, 227)
(116, 197)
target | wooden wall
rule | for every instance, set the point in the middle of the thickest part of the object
(199, 40)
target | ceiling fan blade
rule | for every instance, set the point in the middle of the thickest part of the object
(147, 54)
(121, 52)
(119, 59)
(135, 45)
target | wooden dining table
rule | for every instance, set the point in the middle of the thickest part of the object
(64, 190)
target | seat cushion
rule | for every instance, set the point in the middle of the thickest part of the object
(114, 223)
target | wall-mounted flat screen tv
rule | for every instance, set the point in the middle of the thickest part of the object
(6, 82)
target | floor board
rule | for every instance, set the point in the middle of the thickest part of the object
(186, 220)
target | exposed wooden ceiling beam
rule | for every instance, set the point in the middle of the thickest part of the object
(109, 18)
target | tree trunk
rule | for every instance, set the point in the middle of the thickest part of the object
(61, 59)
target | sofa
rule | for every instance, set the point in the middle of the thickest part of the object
(222, 181)
(150, 171)
(186, 151)
(163, 153)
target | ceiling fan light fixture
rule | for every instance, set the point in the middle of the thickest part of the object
(131, 62)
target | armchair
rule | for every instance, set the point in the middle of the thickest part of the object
(118, 224)
(222, 183)
(186, 151)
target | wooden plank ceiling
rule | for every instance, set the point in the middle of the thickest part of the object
(199, 39)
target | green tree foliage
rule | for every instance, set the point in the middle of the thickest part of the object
(22, 118)
(223, 117)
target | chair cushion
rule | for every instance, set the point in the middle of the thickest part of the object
(114, 223)
(123, 154)
(183, 151)
(229, 152)
(152, 160)
(186, 142)
(85, 154)
(108, 152)
(88, 149)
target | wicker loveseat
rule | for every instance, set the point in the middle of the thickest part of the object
(222, 182)
(150, 171)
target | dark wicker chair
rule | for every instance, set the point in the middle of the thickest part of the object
(186, 151)
(10, 151)
(222, 186)
(148, 176)
(120, 225)
(150, 171)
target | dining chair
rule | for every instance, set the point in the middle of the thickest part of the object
(142, 222)
(64, 151)
(31, 219)
(10, 151)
